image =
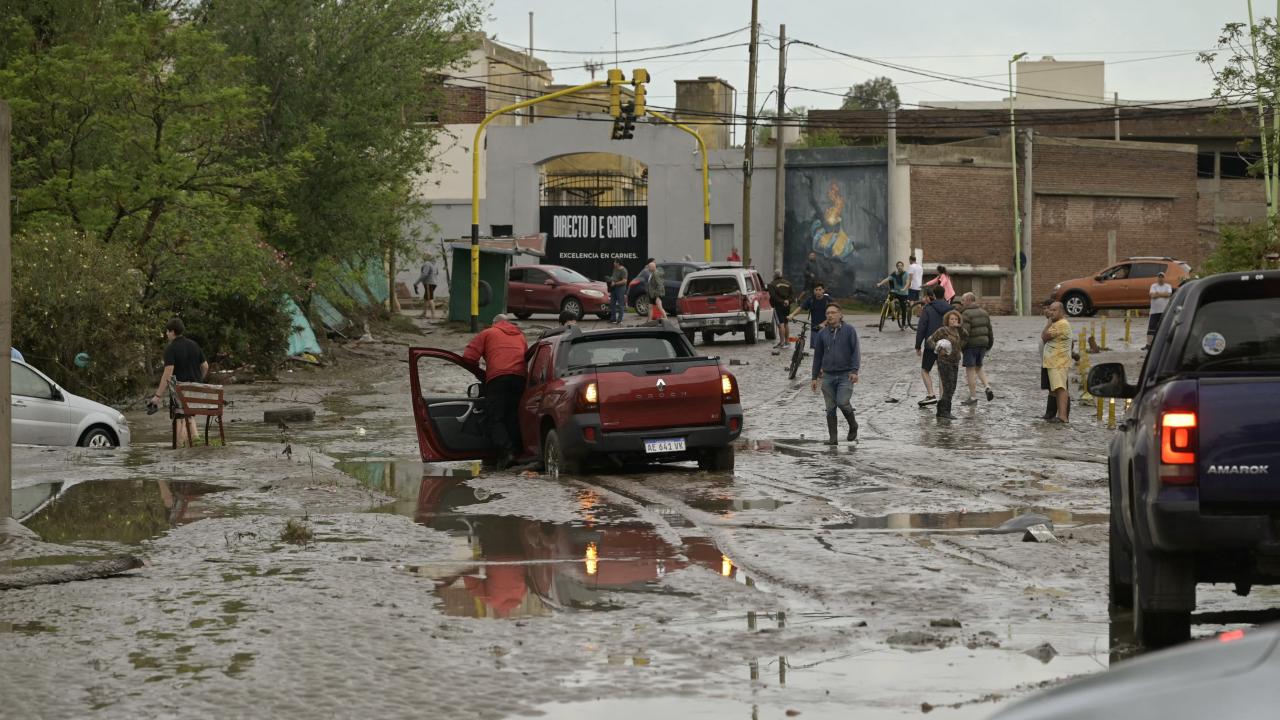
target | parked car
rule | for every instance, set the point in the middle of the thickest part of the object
(725, 300)
(1125, 285)
(1195, 468)
(672, 276)
(45, 414)
(554, 289)
(624, 395)
(1232, 675)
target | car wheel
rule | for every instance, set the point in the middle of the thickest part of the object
(572, 305)
(717, 460)
(750, 332)
(1158, 628)
(642, 306)
(603, 315)
(522, 315)
(1076, 304)
(708, 337)
(553, 457)
(1120, 556)
(97, 437)
(771, 331)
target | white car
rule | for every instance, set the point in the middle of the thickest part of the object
(45, 414)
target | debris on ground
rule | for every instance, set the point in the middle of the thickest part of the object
(1018, 524)
(1043, 652)
(297, 532)
(32, 575)
(945, 623)
(1039, 533)
(287, 415)
(917, 638)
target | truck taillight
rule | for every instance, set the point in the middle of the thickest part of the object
(588, 398)
(728, 388)
(1178, 448)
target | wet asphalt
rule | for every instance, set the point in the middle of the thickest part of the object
(860, 580)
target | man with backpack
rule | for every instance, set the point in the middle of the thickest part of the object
(780, 294)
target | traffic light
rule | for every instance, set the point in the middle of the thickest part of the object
(624, 127)
(638, 78)
(616, 79)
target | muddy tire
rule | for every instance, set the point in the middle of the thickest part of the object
(771, 331)
(642, 306)
(1076, 304)
(554, 460)
(717, 460)
(708, 337)
(572, 305)
(750, 332)
(1155, 628)
(522, 315)
(98, 437)
(1120, 556)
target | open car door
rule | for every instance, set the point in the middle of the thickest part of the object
(451, 423)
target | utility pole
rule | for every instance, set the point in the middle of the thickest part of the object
(779, 161)
(1115, 99)
(6, 323)
(749, 148)
(1019, 306)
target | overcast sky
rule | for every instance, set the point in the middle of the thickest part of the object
(966, 39)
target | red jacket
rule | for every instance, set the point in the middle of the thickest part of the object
(501, 347)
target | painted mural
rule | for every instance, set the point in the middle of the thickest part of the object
(836, 208)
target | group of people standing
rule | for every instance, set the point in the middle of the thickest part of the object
(949, 336)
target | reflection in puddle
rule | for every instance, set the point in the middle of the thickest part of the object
(961, 520)
(121, 511)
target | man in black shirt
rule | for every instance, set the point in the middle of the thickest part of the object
(183, 363)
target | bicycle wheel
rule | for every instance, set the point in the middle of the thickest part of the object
(796, 356)
(911, 316)
(901, 311)
(884, 315)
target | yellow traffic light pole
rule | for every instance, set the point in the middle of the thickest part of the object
(475, 184)
(706, 183)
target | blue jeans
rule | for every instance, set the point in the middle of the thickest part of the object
(618, 298)
(837, 390)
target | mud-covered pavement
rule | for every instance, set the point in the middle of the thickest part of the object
(859, 581)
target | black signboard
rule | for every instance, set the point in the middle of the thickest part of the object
(588, 239)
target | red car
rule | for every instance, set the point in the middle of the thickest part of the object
(554, 289)
(627, 395)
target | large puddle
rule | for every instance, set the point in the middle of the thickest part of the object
(118, 511)
(962, 520)
(506, 566)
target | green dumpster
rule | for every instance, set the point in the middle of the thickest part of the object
(494, 262)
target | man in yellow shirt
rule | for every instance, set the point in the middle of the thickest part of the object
(1056, 358)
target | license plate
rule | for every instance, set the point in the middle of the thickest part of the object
(664, 446)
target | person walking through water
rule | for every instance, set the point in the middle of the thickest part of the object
(184, 362)
(836, 362)
(1056, 361)
(817, 307)
(780, 293)
(947, 343)
(655, 286)
(618, 293)
(427, 279)
(930, 321)
(979, 338)
(502, 348)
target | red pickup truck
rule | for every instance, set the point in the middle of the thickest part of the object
(626, 395)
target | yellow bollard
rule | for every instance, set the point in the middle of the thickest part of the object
(1082, 368)
(1111, 414)
(1104, 335)
(1093, 331)
(1099, 409)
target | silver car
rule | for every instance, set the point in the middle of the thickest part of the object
(45, 414)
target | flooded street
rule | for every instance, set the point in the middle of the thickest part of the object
(878, 579)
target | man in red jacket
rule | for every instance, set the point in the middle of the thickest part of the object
(502, 347)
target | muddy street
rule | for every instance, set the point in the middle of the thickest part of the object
(882, 578)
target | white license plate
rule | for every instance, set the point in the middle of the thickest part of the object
(664, 446)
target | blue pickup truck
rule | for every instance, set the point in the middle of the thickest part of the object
(1195, 468)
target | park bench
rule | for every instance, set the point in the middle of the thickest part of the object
(197, 399)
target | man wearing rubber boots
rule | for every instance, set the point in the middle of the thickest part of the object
(836, 361)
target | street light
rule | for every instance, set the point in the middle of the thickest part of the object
(1018, 299)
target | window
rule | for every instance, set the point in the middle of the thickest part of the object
(673, 272)
(25, 382)
(534, 276)
(603, 351)
(713, 285)
(515, 275)
(566, 275)
(987, 286)
(1239, 322)
(1119, 272)
(500, 230)
(1148, 269)
(538, 368)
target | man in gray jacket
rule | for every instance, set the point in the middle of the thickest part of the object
(979, 338)
(836, 361)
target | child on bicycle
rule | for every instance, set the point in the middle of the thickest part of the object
(897, 281)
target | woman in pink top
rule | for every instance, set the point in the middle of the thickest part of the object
(944, 281)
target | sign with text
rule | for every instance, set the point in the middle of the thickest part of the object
(588, 239)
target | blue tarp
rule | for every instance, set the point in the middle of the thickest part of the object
(303, 338)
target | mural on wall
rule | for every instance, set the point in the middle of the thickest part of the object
(836, 208)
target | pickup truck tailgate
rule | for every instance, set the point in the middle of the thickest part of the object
(659, 395)
(1239, 440)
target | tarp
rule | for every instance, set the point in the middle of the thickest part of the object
(330, 316)
(303, 338)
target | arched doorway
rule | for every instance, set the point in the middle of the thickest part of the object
(593, 207)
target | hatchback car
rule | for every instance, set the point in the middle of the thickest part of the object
(554, 289)
(45, 414)
(1125, 285)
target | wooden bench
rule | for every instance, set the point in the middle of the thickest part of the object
(198, 399)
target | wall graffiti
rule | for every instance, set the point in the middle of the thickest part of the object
(836, 208)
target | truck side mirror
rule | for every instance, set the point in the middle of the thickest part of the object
(1107, 380)
(475, 390)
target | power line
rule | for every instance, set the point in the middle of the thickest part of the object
(632, 50)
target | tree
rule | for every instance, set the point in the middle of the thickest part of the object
(878, 93)
(1242, 247)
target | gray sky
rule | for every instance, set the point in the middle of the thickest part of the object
(966, 39)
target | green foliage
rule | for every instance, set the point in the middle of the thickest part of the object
(878, 93)
(1245, 70)
(1242, 247)
(824, 137)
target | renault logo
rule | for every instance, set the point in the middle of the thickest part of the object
(661, 383)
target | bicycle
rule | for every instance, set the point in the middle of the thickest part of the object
(895, 308)
(798, 354)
